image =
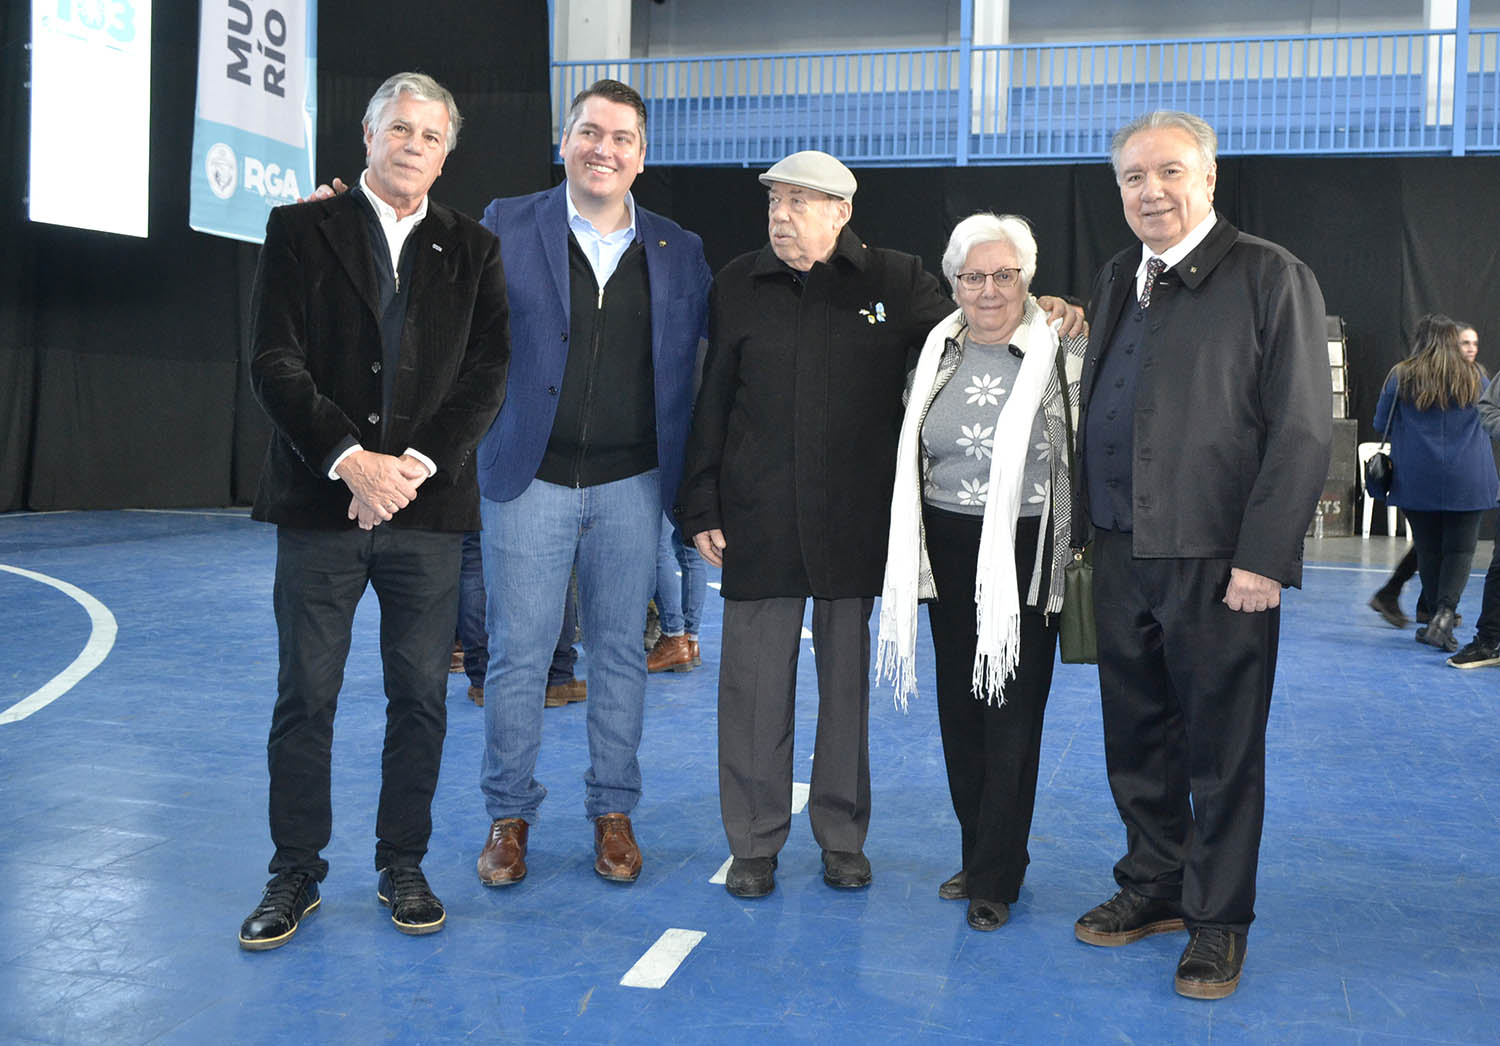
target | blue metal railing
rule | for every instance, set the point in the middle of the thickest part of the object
(1407, 92)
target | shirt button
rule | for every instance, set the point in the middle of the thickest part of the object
(373, 419)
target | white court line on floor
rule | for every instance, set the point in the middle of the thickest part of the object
(101, 641)
(661, 960)
(190, 512)
(806, 632)
(1381, 571)
(720, 877)
(799, 796)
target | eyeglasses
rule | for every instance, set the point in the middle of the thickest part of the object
(1002, 277)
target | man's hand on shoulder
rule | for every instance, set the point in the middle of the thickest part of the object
(325, 192)
(1073, 324)
(1251, 593)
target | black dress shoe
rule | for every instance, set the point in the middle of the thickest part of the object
(1439, 631)
(288, 897)
(988, 915)
(1385, 604)
(1210, 964)
(955, 888)
(751, 876)
(403, 889)
(1125, 918)
(845, 870)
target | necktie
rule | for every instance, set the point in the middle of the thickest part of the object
(1154, 268)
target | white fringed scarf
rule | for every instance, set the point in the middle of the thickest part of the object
(908, 577)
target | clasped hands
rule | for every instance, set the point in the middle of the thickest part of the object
(382, 485)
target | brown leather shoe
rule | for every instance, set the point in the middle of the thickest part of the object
(693, 649)
(476, 694)
(503, 859)
(566, 693)
(616, 857)
(670, 654)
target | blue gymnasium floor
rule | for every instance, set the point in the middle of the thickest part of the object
(135, 842)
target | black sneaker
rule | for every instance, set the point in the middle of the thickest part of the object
(751, 876)
(1125, 918)
(1210, 964)
(414, 909)
(1476, 655)
(288, 897)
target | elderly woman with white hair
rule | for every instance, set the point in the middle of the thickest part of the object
(980, 522)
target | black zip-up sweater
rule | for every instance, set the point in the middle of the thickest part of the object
(605, 427)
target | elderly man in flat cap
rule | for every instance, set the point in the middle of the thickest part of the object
(787, 487)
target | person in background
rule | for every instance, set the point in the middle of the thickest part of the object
(679, 603)
(1387, 598)
(980, 524)
(1443, 468)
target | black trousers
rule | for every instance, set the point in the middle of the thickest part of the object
(1185, 684)
(320, 577)
(1445, 544)
(992, 753)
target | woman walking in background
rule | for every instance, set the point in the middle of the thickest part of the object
(1443, 473)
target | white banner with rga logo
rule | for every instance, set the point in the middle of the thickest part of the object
(254, 134)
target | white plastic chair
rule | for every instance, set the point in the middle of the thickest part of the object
(1366, 452)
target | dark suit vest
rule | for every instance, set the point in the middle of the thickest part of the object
(1110, 439)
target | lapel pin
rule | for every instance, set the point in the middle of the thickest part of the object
(438, 247)
(661, 243)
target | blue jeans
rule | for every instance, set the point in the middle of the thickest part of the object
(679, 602)
(471, 632)
(530, 546)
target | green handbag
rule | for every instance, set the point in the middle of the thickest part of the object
(1078, 635)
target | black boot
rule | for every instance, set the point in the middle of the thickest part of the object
(1439, 631)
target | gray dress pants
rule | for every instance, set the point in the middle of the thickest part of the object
(757, 701)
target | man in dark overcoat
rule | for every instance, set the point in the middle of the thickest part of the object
(379, 351)
(1203, 445)
(787, 487)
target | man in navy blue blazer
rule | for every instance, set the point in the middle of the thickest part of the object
(608, 306)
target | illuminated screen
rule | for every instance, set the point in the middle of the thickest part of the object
(90, 113)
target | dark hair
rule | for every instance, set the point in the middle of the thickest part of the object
(1436, 373)
(610, 91)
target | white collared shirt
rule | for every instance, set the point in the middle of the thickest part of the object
(603, 250)
(396, 229)
(1178, 251)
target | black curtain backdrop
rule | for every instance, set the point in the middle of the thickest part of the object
(123, 378)
(1389, 238)
(122, 361)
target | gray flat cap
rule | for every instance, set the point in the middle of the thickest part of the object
(814, 170)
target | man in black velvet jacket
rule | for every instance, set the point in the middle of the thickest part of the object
(379, 351)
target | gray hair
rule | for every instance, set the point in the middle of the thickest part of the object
(421, 87)
(985, 227)
(1198, 128)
